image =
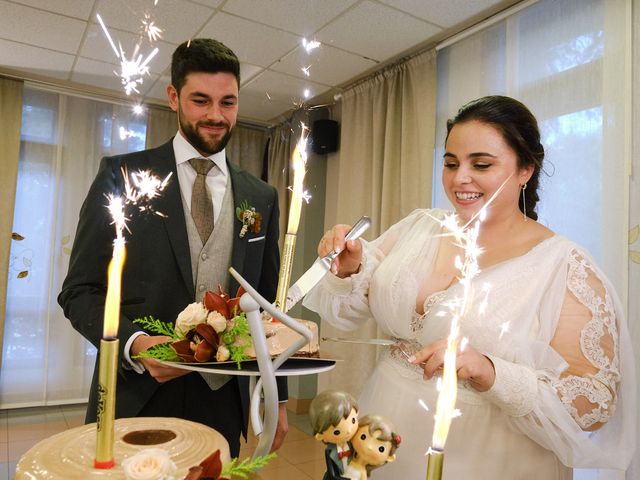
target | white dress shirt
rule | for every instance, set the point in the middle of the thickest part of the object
(216, 178)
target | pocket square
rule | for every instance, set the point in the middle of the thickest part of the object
(256, 239)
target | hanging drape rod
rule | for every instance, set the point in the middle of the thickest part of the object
(484, 24)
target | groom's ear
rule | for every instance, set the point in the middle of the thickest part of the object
(391, 458)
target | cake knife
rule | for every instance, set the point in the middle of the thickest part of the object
(368, 341)
(321, 266)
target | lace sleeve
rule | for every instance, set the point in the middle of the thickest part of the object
(587, 338)
(573, 391)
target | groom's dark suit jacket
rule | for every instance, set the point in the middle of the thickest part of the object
(157, 279)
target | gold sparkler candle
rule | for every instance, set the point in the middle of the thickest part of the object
(299, 161)
(108, 368)
(139, 189)
(466, 237)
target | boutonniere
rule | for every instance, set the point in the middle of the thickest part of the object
(251, 220)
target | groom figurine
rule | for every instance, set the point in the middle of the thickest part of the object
(334, 420)
(174, 258)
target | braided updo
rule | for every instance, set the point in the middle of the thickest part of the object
(519, 128)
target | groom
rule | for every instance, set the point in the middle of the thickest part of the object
(173, 259)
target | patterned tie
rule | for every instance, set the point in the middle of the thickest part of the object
(201, 204)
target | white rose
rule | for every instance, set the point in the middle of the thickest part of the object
(191, 316)
(223, 354)
(149, 464)
(217, 321)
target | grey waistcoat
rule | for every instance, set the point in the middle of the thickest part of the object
(210, 263)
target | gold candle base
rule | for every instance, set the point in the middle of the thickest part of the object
(435, 464)
(107, 374)
(284, 279)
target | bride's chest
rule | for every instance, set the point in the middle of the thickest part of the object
(499, 304)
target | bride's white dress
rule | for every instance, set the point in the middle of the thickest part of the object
(534, 422)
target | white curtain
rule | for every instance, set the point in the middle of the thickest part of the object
(62, 140)
(565, 59)
(247, 148)
(278, 173)
(162, 124)
(634, 218)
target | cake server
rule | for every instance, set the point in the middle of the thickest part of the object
(367, 341)
(321, 266)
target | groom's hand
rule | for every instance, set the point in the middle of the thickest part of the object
(282, 428)
(348, 262)
(160, 372)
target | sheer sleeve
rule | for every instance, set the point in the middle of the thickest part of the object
(579, 409)
(344, 302)
(587, 338)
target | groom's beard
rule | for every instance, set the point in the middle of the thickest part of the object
(206, 144)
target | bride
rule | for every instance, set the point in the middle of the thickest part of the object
(546, 382)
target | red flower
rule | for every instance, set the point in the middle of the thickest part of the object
(209, 469)
(200, 344)
(221, 303)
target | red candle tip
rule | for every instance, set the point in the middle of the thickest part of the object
(106, 465)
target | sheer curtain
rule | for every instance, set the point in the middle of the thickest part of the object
(161, 126)
(384, 170)
(246, 148)
(634, 217)
(566, 61)
(11, 113)
(62, 140)
(280, 145)
(63, 137)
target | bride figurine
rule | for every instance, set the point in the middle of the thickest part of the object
(374, 445)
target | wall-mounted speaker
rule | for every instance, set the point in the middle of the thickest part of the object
(324, 136)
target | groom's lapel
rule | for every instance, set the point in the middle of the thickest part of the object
(170, 205)
(240, 194)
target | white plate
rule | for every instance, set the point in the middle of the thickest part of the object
(291, 367)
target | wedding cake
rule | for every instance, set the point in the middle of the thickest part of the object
(69, 455)
(280, 337)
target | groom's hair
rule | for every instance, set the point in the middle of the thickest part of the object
(328, 408)
(202, 55)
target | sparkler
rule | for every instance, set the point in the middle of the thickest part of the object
(310, 45)
(134, 69)
(141, 188)
(150, 28)
(299, 161)
(466, 237)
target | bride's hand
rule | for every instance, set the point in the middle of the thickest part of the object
(470, 364)
(348, 262)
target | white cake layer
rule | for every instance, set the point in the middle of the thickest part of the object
(69, 455)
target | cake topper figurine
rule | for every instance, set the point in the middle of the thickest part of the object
(374, 444)
(334, 419)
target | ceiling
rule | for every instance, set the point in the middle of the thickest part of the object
(61, 42)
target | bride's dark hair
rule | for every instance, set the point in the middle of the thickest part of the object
(519, 128)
